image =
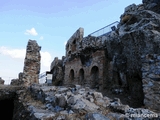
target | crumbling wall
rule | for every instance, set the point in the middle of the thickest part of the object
(151, 80)
(57, 71)
(136, 35)
(87, 72)
(152, 5)
(72, 71)
(139, 36)
(73, 44)
(32, 63)
(17, 81)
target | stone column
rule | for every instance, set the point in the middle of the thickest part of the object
(31, 63)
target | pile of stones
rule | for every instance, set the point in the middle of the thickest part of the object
(75, 103)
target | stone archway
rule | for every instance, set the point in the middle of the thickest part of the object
(95, 77)
(81, 77)
(71, 75)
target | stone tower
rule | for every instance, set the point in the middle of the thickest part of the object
(31, 63)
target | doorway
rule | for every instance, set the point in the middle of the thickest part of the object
(95, 77)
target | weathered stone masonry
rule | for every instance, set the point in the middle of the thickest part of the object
(113, 61)
(32, 63)
(88, 74)
(82, 66)
(124, 62)
(151, 80)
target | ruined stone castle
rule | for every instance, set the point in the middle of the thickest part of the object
(104, 76)
(125, 58)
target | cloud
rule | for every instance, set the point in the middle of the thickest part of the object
(20, 53)
(41, 38)
(14, 53)
(32, 31)
(46, 59)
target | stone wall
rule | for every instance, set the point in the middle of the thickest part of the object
(32, 63)
(73, 43)
(86, 70)
(136, 35)
(17, 81)
(57, 71)
(151, 80)
(152, 5)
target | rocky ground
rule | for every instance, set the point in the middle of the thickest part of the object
(43, 102)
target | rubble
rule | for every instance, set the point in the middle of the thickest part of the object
(59, 102)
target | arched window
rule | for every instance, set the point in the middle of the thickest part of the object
(81, 77)
(94, 77)
(74, 46)
(71, 75)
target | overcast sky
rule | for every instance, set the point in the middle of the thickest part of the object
(51, 23)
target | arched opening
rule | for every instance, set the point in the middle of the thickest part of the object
(136, 89)
(69, 52)
(81, 77)
(7, 111)
(73, 45)
(95, 77)
(71, 75)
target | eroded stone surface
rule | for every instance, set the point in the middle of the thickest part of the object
(73, 45)
(151, 80)
(18, 81)
(57, 70)
(43, 102)
(32, 63)
(53, 102)
(112, 61)
(123, 62)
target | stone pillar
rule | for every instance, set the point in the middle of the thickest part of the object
(32, 63)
